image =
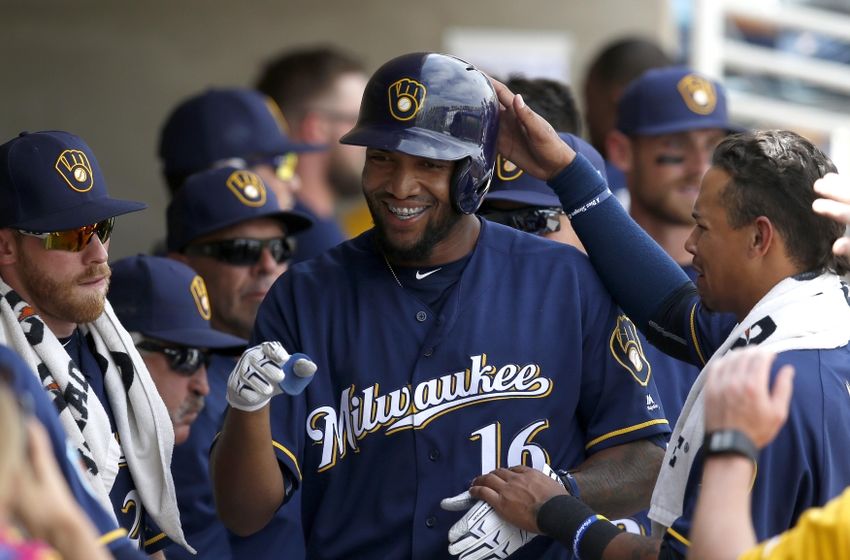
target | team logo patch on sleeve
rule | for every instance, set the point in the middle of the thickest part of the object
(506, 170)
(202, 299)
(698, 94)
(248, 188)
(406, 97)
(628, 351)
(75, 169)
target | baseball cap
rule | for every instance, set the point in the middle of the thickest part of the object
(512, 184)
(166, 300)
(224, 123)
(51, 181)
(672, 99)
(218, 198)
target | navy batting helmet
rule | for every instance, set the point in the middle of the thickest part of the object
(434, 106)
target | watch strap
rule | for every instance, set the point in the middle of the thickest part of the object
(730, 442)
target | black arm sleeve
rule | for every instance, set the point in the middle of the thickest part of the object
(640, 275)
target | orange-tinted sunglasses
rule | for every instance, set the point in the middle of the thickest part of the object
(77, 239)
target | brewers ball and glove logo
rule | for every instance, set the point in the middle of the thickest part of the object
(248, 188)
(506, 170)
(628, 351)
(698, 93)
(75, 169)
(406, 97)
(202, 299)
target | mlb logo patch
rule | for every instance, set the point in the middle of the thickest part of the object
(74, 167)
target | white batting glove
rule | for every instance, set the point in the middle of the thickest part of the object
(262, 373)
(482, 534)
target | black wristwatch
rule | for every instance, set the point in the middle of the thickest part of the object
(730, 442)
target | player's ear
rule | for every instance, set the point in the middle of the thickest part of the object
(619, 149)
(8, 247)
(763, 236)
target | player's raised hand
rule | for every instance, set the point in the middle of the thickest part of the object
(526, 139)
(264, 371)
(835, 204)
(738, 395)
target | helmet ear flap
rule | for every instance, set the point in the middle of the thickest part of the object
(467, 189)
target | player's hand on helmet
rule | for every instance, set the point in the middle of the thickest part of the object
(261, 374)
(527, 140)
(496, 531)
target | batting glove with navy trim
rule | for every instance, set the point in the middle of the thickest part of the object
(264, 371)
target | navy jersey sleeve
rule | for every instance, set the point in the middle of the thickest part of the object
(619, 401)
(31, 393)
(285, 420)
(155, 538)
(685, 329)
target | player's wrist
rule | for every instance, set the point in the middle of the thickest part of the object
(243, 406)
(572, 523)
(728, 441)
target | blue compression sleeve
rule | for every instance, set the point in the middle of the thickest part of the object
(634, 268)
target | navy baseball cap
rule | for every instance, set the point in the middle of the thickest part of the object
(512, 184)
(224, 123)
(672, 99)
(166, 300)
(50, 181)
(218, 198)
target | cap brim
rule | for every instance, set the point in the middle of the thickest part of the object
(529, 198)
(293, 220)
(90, 212)
(412, 141)
(199, 338)
(684, 126)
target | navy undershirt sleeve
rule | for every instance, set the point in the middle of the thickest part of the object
(634, 268)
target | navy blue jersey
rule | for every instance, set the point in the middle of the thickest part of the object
(808, 463)
(529, 362)
(126, 501)
(25, 386)
(190, 469)
(321, 236)
(674, 379)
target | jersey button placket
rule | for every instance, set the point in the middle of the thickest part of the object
(434, 454)
(421, 316)
(431, 521)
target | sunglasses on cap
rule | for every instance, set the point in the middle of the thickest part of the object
(77, 239)
(537, 221)
(283, 165)
(244, 251)
(185, 360)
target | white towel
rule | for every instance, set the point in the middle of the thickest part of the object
(806, 314)
(142, 421)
